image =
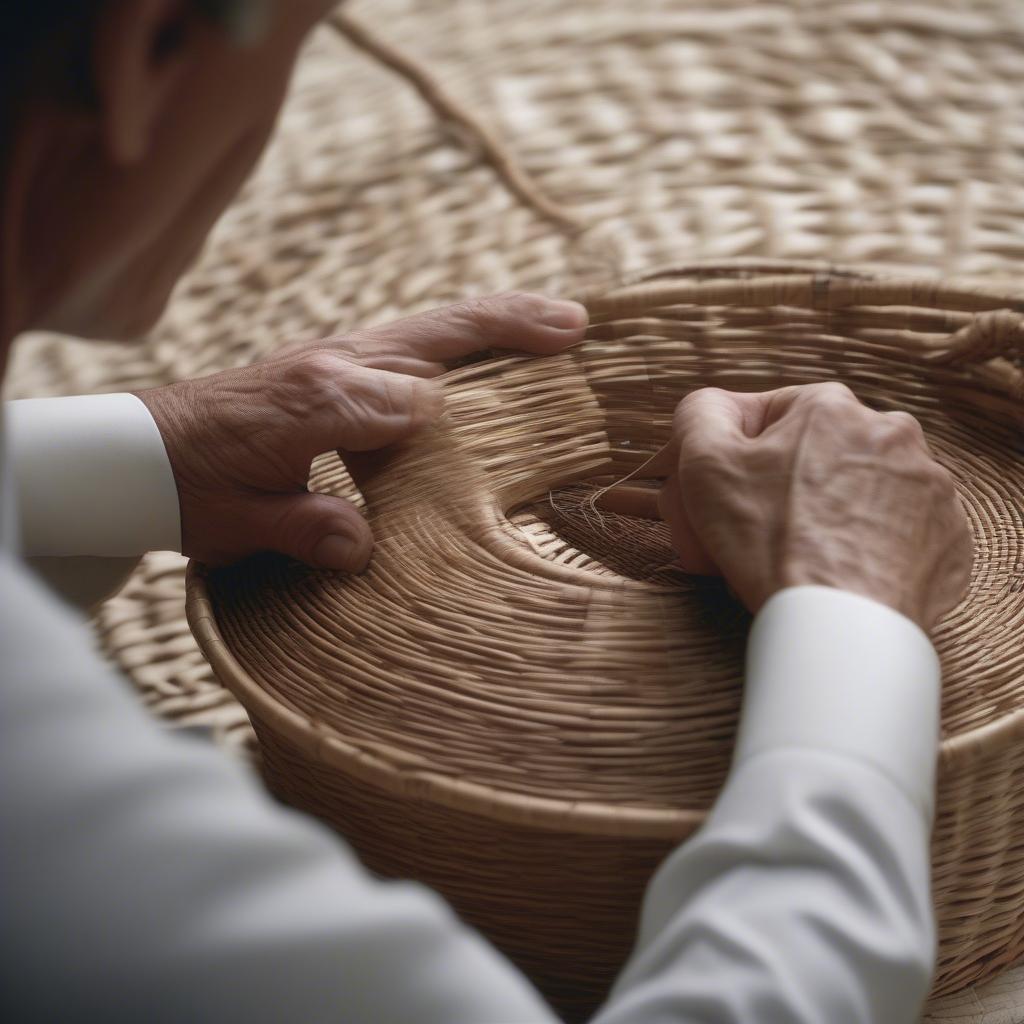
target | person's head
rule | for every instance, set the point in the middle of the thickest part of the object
(126, 126)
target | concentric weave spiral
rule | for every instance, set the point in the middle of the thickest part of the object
(521, 705)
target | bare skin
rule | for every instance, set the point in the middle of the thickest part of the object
(241, 442)
(805, 485)
(103, 205)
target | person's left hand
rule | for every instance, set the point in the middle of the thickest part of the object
(241, 442)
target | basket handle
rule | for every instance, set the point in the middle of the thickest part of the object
(996, 332)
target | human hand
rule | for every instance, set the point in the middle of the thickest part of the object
(805, 485)
(241, 442)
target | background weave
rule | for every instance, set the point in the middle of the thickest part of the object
(850, 131)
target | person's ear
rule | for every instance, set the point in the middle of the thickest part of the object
(141, 50)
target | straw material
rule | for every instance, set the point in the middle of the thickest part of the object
(499, 708)
(833, 129)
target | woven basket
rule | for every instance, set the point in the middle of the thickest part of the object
(524, 705)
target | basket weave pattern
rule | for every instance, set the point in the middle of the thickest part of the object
(486, 678)
(827, 130)
(804, 129)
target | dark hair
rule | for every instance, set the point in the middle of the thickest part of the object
(48, 41)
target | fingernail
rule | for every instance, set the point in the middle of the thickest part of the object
(565, 314)
(343, 554)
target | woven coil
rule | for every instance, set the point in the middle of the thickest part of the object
(521, 696)
(824, 129)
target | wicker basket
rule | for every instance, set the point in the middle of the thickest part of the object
(524, 705)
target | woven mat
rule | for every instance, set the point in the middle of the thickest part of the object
(887, 133)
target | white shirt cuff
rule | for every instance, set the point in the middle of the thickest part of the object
(91, 476)
(834, 671)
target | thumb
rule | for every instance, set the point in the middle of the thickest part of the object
(321, 530)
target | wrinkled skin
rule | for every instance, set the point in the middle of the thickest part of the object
(104, 203)
(805, 485)
(241, 442)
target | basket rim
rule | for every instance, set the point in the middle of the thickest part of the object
(588, 817)
(569, 816)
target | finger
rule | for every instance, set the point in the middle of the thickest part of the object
(639, 502)
(720, 415)
(404, 364)
(756, 412)
(780, 403)
(373, 358)
(912, 425)
(522, 321)
(321, 530)
(763, 409)
(380, 408)
(693, 556)
(359, 409)
(773, 406)
(707, 418)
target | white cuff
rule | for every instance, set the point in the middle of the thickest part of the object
(91, 477)
(831, 670)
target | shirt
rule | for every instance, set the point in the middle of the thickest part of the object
(148, 877)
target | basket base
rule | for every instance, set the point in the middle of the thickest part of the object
(530, 892)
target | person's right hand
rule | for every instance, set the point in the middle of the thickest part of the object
(805, 485)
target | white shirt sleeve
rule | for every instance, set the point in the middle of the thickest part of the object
(146, 877)
(91, 477)
(806, 896)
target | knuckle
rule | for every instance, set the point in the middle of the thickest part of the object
(390, 394)
(696, 400)
(687, 411)
(702, 395)
(293, 347)
(491, 315)
(830, 392)
(298, 528)
(517, 303)
(376, 404)
(899, 416)
(357, 346)
(316, 367)
(898, 429)
(905, 426)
